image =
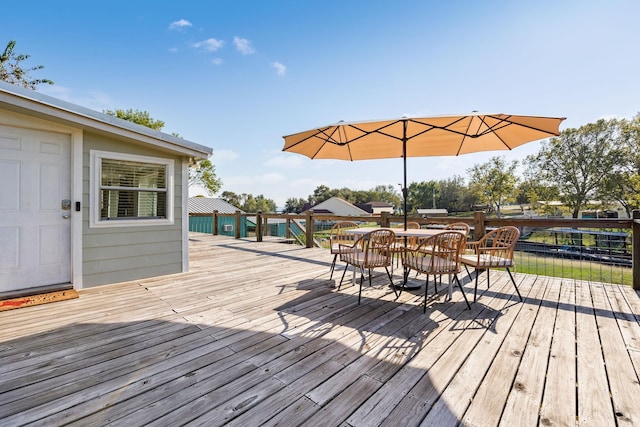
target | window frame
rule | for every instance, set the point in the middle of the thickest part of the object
(95, 186)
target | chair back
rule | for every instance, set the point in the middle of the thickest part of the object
(501, 241)
(443, 250)
(338, 236)
(375, 246)
(459, 226)
(446, 250)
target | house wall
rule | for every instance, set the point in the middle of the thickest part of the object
(378, 211)
(116, 254)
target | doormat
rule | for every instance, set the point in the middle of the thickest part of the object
(27, 301)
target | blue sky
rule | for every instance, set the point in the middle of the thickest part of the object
(238, 75)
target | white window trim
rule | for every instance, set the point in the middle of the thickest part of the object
(94, 183)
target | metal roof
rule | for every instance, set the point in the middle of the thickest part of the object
(204, 205)
(28, 101)
(338, 206)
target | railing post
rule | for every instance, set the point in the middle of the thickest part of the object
(214, 223)
(238, 223)
(635, 241)
(309, 228)
(259, 226)
(265, 227)
(384, 219)
(288, 228)
(478, 225)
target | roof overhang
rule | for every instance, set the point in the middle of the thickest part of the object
(26, 101)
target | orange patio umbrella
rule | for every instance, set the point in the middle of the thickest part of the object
(420, 136)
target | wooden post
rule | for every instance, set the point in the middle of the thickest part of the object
(309, 228)
(238, 223)
(384, 219)
(259, 227)
(214, 223)
(635, 239)
(478, 225)
(288, 228)
(265, 227)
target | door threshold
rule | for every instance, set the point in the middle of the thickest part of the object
(35, 291)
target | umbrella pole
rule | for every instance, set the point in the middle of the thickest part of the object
(405, 191)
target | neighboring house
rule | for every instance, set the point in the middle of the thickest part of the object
(338, 206)
(205, 205)
(86, 198)
(226, 225)
(376, 208)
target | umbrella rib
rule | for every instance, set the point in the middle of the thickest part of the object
(510, 122)
(318, 131)
(505, 122)
(328, 140)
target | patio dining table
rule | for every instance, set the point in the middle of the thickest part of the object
(400, 232)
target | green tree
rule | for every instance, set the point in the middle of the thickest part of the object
(494, 182)
(421, 195)
(136, 116)
(231, 198)
(263, 204)
(202, 173)
(451, 194)
(12, 72)
(293, 205)
(623, 184)
(385, 193)
(578, 161)
(249, 202)
(320, 194)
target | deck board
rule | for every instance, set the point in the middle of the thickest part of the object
(257, 334)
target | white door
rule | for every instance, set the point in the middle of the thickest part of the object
(35, 227)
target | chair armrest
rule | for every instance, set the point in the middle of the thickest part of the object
(472, 247)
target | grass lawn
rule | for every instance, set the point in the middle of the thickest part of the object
(572, 269)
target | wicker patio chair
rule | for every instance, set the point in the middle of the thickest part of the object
(437, 255)
(370, 251)
(493, 250)
(401, 243)
(338, 237)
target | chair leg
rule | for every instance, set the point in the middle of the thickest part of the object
(475, 289)
(391, 282)
(462, 290)
(426, 286)
(343, 273)
(467, 268)
(488, 283)
(361, 282)
(333, 266)
(514, 284)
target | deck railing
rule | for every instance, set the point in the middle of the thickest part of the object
(603, 250)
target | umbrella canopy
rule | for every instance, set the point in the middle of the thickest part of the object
(420, 136)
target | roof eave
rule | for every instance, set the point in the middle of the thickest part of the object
(22, 100)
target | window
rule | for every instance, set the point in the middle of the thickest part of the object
(130, 190)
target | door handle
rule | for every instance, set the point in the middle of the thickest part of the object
(66, 216)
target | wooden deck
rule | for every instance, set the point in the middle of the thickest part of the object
(256, 334)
